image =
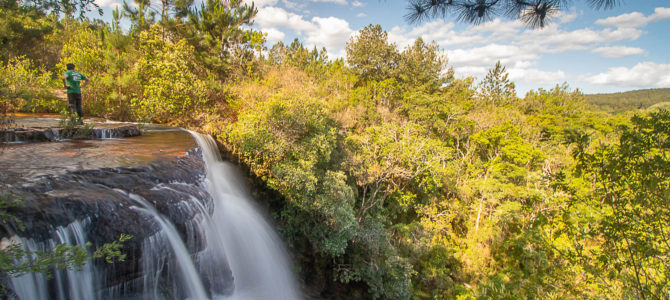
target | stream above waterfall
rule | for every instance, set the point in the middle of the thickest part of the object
(197, 233)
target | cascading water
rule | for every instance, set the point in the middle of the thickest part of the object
(201, 239)
(255, 253)
(76, 284)
(189, 276)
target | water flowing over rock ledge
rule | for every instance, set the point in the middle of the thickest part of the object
(98, 204)
(50, 134)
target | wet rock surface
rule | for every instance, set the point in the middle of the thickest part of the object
(102, 198)
(81, 132)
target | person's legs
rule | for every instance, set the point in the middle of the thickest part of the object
(71, 103)
(80, 110)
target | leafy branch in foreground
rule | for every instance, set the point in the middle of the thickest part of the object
(533, 13)
(15, 261)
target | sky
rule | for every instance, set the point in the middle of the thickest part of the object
(596, 51)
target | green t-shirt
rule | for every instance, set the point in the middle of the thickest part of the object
(73, 79)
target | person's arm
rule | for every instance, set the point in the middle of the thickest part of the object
(65, 81)
(86, 82)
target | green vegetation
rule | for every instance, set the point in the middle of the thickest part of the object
(393, 179)
(16, 261)
(629, 101)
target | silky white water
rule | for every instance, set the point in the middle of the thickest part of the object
(229, 251)
(256, 255)
(189, 275)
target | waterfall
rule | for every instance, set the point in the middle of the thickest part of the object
(76, 284)
(204, 239)
(189, 276)
(256, 255)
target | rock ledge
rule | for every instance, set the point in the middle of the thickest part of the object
(51, 134)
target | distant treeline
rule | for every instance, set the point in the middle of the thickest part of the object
(627, 101)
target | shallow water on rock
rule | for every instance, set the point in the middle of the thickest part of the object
(52, 158)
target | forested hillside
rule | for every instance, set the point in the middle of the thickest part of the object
(390, 178)
(628, 101)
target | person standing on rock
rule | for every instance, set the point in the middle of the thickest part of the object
(72, 80)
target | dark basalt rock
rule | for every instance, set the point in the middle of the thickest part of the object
(102, 196)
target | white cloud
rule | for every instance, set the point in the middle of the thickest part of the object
(343, 2)
(110, 3)
(274, 35)
(567, 17)
(636, 19)
(644, 74)
(660, 13)
(488, 55)
(270, 17)
(361, 15)
(259, 3)
(538, 76)
(330, 32)
(357, 3)
(618, 51)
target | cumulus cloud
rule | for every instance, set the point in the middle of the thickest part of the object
(636, 19)
(330, 32)
(274, 35)
(271, 17)
(643, 74)
(361, 15)
(488, 55)
(357, 3)
(475, 50)
(618, 51)
(538, 76)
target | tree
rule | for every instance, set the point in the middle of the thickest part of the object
(422, 67)
(534, 13)
(371, 55)
(632, 188)
(496, 87)
(67, 7)
(221, 34)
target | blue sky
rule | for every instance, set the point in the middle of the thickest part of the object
(597, 51)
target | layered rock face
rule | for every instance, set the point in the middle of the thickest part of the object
(102, 203)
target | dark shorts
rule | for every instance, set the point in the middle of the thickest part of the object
(74, 101)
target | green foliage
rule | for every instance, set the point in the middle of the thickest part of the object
(22, 30)
(25, 87)
(628, 101)
(496, 86)
(393, 179)
(630, 197)
(395, 161)
(290, 143)
(171, 85)
(422, 67)
(15, 261)
(371, 55)
(221, 40)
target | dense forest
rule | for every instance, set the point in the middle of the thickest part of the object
(388, 177)
(630, 101)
